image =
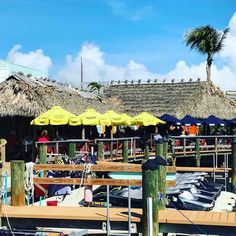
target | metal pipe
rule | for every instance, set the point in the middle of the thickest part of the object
(149, 216)
(129, 211)
(108, 217)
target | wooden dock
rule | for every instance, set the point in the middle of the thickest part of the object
(222, 223)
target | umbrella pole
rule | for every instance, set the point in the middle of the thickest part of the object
(83, 132)
(111, 148)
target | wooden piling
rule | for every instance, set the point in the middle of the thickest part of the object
(150, 189)
(146, 151)
(111, 150)
(72, 149)
(165, 149)
(159, 149)
(197, 149)
(42, 153)
(17, 183)
(100, 150)
(173, 157)
(3, 143)
(161, 177)
(233, 171)
(125, 150)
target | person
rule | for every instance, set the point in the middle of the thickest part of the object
(12, 146)
(28, 145)
(157, 137)
(44, 136)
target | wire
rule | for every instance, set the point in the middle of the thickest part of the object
(162, 196)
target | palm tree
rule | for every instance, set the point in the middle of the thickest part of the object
(93, 86)
(206, 40)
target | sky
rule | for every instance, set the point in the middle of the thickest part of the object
(118, 39)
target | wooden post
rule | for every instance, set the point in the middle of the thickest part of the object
(159, 148)
(111, 150)
(161, 177)
(42, 153)
(100, 151)
(56, 147)
(173, 157)
(72, 149)
(233, 172)
(152, 183)
(83, 132)
(165, 149)
(3, 143)
(17, 183)
(146, 153)
(150, 189)
(125, 150)
(197, 149)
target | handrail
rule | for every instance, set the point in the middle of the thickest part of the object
(203, 136)
(64, 141)
(100, 167)
(115, 139)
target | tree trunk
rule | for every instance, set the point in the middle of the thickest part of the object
(208, 71)
(208, 67)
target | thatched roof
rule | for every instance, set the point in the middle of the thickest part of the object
(22, 95)
(198, 99)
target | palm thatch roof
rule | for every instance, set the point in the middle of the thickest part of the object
(198, 99)
(22, 95)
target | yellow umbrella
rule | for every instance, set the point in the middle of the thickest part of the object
(127, 119)
(55, 116)
(75, 121)
(105, 119)
(146, 119)
(90, 117)
(116, 119)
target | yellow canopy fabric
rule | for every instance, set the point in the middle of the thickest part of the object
(105, 119)
(146, 119)
(116, 119)
(127, 119)
(55, 116)
(75, 121)
(90, 117)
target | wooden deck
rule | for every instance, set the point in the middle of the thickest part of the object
(119, 214)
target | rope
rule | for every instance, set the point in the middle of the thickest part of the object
(29, 184)
(1, 198)
(162, 196)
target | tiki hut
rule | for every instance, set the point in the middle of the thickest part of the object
(23, 97)
(199, 99)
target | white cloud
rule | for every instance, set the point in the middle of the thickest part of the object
(96, 69)
(127, 11)
(224, 77)
(33, 59)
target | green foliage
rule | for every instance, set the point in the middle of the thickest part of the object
(94, 86)
(206, 40)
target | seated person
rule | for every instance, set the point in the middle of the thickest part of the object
(157, 137)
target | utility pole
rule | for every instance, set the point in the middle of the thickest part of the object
(81, 74)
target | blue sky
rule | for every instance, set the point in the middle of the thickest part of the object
(148, 32)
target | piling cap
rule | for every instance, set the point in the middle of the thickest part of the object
(153, 164)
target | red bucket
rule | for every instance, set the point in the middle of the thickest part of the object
(52, 203)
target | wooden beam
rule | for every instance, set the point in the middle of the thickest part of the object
(203, 169)
(97, 181)
(102, 166)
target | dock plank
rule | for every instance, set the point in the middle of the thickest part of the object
(119, 214)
